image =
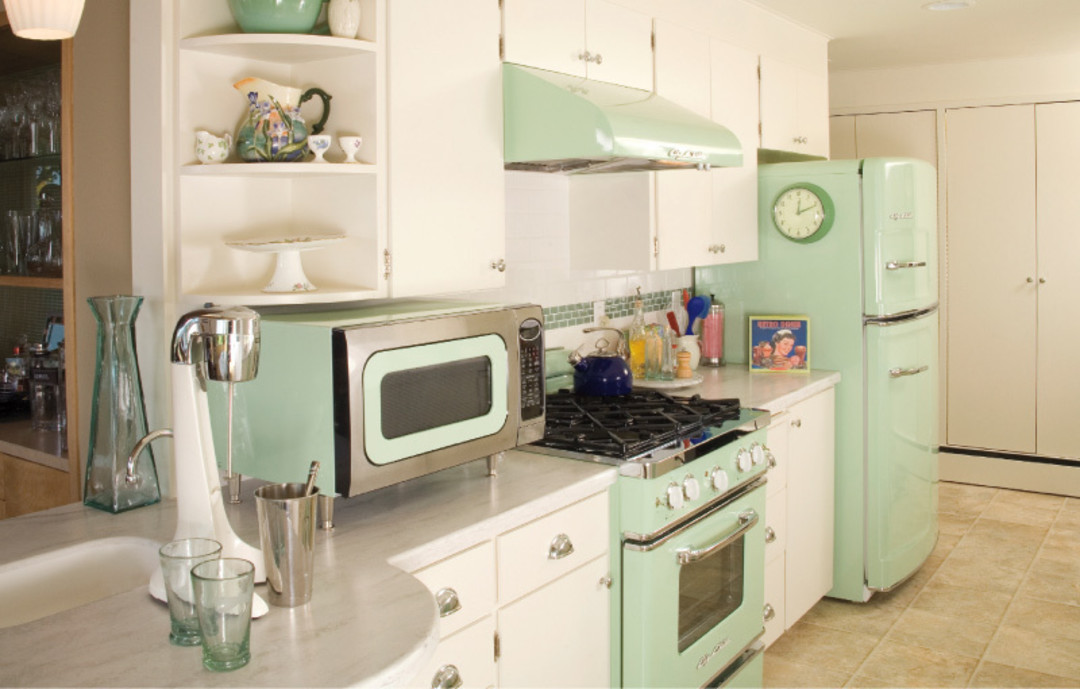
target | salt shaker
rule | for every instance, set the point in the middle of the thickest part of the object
(712, 333)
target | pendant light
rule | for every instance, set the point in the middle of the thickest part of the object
(44, 20)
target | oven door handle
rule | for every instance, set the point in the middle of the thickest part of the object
(747, 521)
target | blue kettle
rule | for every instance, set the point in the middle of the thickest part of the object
(603, 373)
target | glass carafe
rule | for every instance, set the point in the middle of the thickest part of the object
(118, 418)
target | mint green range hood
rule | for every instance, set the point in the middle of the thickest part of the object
(561, 123)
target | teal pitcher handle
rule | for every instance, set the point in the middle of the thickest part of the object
(325, 97)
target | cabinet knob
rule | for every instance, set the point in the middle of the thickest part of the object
(800, 140)
(768, 613)
(770, 534)
(585, 56)
(598, 58)
(606, 581)
(447, 677)
(448, 602)
(499, 265)
(797, 423)
(770, 458)
(560, 547)
(1030, 280)
(717, 248)
(1042, 281)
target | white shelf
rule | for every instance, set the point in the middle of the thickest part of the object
(327, 294)
(328, 169)
(281, 48)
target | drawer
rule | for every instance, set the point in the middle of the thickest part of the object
(470, 654)
(464, 584)
(538, 552)
(773, 615)
(775, 525)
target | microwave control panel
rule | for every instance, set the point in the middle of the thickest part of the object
(531, 349)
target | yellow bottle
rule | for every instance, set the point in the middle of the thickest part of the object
(637, 340)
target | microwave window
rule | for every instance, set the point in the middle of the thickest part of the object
(419, 399)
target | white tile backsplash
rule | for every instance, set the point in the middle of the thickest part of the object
(538, 257)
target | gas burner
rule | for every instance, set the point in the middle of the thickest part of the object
(627, 426)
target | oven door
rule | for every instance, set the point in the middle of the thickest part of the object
(692, 599)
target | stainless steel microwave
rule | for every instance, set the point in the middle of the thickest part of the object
(383, 394)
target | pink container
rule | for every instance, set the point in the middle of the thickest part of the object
(712, 336)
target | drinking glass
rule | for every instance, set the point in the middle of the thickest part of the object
(177, 560)
(223, 593)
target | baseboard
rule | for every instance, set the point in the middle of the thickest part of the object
(1056, 478)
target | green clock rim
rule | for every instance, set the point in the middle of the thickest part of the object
(826, 205)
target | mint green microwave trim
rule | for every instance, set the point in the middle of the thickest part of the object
(549, 116)
(382, 450)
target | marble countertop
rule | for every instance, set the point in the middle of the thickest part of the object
(369, 623)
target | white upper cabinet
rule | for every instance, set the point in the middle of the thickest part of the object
(733, 90)
(794, 108)
(683, 197)
(588, 38)
(446, 211)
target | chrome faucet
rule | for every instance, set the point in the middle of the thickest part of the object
(132, 478)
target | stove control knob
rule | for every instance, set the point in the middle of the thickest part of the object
(674, 496)
(719, 479)
(757, 454)
(743, 460)
(691, 488)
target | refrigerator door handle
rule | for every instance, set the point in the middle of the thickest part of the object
(900, 372)
(897, 265)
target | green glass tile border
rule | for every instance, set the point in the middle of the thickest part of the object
(583, 313)
(567, 315)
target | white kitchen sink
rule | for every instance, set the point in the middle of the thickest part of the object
(66, 578)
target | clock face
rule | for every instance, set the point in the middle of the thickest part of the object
(803, 213)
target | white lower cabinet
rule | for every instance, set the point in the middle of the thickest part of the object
(463, 660)
(530, 608)
(799, 511)
(559, 636)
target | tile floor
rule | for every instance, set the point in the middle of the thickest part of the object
(996, 605)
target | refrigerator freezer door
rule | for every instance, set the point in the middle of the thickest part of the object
(900, 235)
(902, 445)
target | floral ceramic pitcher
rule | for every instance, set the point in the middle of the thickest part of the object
(273, 130)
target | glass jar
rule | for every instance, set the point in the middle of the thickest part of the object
(712, 333)
(45, 394)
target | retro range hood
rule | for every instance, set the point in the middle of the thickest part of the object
(561, 123)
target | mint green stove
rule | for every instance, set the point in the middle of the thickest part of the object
(688, 542)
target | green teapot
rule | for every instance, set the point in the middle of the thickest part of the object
(274, 130)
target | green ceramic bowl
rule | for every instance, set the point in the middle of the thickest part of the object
(276, 16)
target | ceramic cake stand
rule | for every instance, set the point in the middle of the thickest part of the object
(289, 271)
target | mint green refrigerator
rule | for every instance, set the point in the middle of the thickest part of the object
(852, 245)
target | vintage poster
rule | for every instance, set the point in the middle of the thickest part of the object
(779, 343)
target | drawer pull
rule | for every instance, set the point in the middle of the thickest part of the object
(560, 547)
(448, 602)
(770, 534)
(901, 372)
(768, 614)
(771, 459)
(447, 677)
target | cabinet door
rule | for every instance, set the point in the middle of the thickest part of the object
(842, 138)
(810, 504)
(549, 34)
(468, 654)
(619, 42)
(991, 303)
(560, 635)
(794, 108)
(446, 194)
(779, 104)
(1059, 246)
(733, 90)
(682, 196)
(909, 134)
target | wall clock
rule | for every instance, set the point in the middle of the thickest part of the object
(803, 212)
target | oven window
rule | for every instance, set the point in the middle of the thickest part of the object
(709, 591)
(419, 399)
